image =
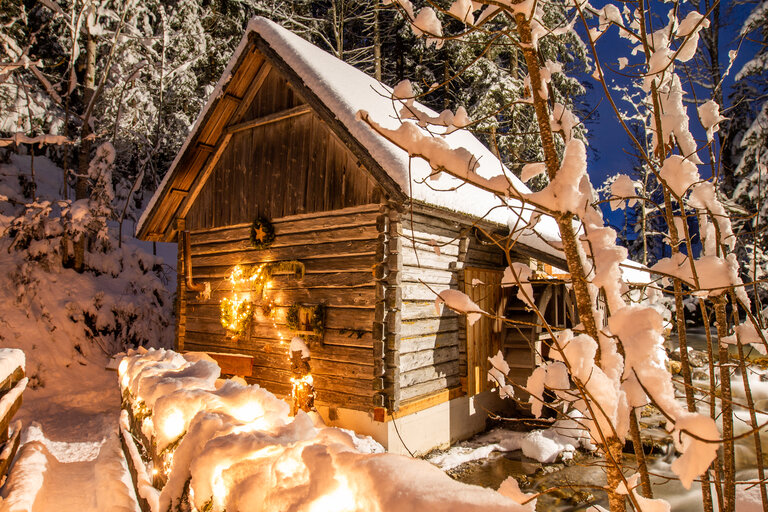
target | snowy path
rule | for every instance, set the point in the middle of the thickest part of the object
(71, 459)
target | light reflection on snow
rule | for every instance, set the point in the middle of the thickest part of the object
(173, 426)
(342, 499)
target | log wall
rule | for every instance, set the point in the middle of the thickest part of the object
(339, 250)
(435, 249)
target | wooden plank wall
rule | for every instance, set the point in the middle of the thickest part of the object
(339, 251)
(433, 346)
(483, 338)
(289, 167)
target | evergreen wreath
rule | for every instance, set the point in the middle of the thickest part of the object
(262, 233)
(236, 317)
(316, 319)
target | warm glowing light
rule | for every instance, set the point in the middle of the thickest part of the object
(125, 381)
(122, 367)
(289, 466)
(257, 425)
(154, 471)
(305, 380)
(342, 499)
(235, 313)
(247, 412)
(220, 490)
(173, 426)
(168, 463)
(237, 275)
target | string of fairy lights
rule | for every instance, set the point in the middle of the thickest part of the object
(250, 285)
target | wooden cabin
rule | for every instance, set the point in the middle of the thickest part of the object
(279, 149)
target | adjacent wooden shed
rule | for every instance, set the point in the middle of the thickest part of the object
(376, 235)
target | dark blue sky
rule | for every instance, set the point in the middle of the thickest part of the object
(606, 133)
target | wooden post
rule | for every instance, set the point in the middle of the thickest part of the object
(180, 305)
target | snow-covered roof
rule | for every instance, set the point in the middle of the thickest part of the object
(346, 91)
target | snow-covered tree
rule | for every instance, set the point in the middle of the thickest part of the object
(612, 363)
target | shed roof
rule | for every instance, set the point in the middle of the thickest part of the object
(344, 91)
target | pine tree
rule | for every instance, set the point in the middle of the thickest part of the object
(749, 131)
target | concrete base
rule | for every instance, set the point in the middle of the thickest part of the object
(421, 432)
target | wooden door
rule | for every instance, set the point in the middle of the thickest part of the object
(483, 286)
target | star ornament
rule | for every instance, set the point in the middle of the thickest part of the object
(259, 234)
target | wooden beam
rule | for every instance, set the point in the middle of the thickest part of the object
(13, 442)
(202, 177)
(409, 407)
(231, 97)
(233, 364)
(222, 143)
(269, 118)
(153, 225)
(253, 89)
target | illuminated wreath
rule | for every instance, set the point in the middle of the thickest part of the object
(262, 233)
(236, 316)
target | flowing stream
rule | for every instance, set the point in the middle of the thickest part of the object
(572, 486)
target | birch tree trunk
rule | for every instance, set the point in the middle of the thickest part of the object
(83, 157)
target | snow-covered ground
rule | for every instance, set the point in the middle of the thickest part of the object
(70, 458)
(68, 324)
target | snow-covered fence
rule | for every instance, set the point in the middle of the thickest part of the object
(197, 442)
(12, 385)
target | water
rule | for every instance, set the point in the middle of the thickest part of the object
(572, 486)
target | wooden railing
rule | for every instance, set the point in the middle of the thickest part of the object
(12, 386)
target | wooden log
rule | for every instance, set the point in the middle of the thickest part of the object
(314, 236)
(269, 119)
(429, 387)
(10, 381)
(335, 317)
(340, 337)
(8, 451)
(431, 341)
(425, 237)
(125, 438)
(5, 421)
(337, 353)
(422, 292)
(414, 274)
(479, 258)
(278, 358)
(428, 373)
(431, 246)
(415, 360)
(424, 259)
(335, 383)
(428, 326)
(363, 297)
(433, 225)
(309, 281)
(320, 250)
(324, 265)
(417, 310)
(322, 220)
(233, 364)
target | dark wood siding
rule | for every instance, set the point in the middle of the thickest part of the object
(339, 250)
(289, 167)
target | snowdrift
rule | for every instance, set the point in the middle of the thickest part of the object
(224, 445)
